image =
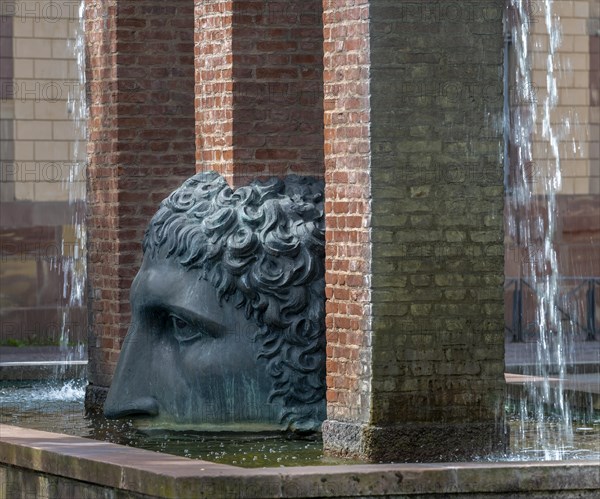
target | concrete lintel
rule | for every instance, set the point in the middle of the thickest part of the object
(414, 442)
(152, 474)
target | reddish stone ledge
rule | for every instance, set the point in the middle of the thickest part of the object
(81, 465)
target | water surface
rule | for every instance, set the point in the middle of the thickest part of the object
(58, 407)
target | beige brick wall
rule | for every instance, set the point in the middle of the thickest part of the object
(594, 126)
(45, 71)
(575, 119)
(45, 76)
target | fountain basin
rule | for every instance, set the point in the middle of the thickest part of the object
(58, 407)
(44, 464)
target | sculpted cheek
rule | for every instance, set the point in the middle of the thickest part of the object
(200, 359)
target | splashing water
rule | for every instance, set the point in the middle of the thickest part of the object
(531, 223)
(40, 394)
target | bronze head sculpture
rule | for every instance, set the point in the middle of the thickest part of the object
(228, 328)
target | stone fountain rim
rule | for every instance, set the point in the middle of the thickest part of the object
(161, 475)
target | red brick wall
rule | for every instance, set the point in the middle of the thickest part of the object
(259, 94)
(102, 214)
(146, 125)
(347, 176)
(214, 86)
(141, 147)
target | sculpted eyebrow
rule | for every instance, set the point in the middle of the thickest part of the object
(192, 317)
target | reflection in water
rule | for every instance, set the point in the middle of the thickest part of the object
(58, 407)
(585, 443)
(51, 406)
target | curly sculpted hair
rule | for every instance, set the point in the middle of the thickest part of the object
(261, 246)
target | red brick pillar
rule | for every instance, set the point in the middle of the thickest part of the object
(348, 210)
(140, 77)
(259, 90)
(415, 343)
(213, 56)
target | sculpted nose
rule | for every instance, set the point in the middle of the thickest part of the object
(143, 406)
(128, 394)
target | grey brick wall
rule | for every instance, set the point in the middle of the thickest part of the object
(436, 111)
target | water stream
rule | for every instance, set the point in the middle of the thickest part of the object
(531, 220)
(73, 259)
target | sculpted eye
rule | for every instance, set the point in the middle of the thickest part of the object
(184, 331)
(179, 323)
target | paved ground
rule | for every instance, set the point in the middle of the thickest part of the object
(582, 352)
(29, 363)
(588, 383)
(39, 354)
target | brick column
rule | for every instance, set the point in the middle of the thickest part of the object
(414, 229)
(140, 75)
(214, 86)
(259, 95)
(348, 211)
